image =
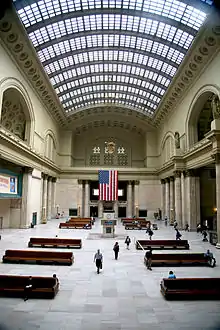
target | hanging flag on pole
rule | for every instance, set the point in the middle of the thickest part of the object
(108, 185)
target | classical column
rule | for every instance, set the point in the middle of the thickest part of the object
(44, 204)
(129, 199)
(172, 200)
(163, 198)
(183, 199)
(167, 198)
(87, 197)
(116, 209)
(26, 216)
(49, 197)
(136, 198)
(80, 199)
(217, 168)
(100, 209)
(178, 202)
(192, 199)
(53, 198)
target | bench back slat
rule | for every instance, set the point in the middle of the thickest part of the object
(192, 283)
(55, 240)
(35, 254)
(20, 281)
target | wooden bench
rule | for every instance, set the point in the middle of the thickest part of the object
(136, 226)
(55, 242)
(75, 225)
(194, 288)
(43, 287)
(193, 259)
(162, 244)
(42, 257)
(130, 220)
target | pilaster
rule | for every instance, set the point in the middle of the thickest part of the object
(129, 199)
(167, 198)
(87, 197)
(53, 197)
(136, 198)
(49, 197)
(80, 199)
(217, 168)
(178, 198)
(172, 200)
(44, 204)
(26, 218)
(163, 198)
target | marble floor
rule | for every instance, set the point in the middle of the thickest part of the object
(125, 295)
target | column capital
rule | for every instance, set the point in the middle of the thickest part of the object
(130, 182)
(162, 181)
(27, 170)
(50, 178)
(80, 181)
(171, 178)
(189, 173)
(136, 182)
(87, 181)
(54, 180)
(177, 174)
(45, 176)
(216, 158)
(167, 180)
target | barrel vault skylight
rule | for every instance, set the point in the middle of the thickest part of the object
(123, 52)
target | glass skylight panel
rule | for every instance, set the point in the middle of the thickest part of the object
(74, 59)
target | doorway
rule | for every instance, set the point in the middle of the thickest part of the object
(93, 211)
(121, 212)
(34, 218)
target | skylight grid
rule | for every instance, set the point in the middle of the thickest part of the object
(45, 9)
(116, 41)
(104, 22)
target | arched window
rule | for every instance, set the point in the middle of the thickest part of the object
(50, 147)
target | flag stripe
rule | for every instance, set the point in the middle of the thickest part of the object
(108, 185)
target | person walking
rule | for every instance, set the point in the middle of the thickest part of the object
(165, 221)
(150, 233)
(186, 227)
(98, 258)
(116, 250)
(178, 235)
(148, 256)
(127, 241)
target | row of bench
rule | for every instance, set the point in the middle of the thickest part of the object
(44, 257)
(77, 223)
(162, 244)
(47, 287)
(131, 223)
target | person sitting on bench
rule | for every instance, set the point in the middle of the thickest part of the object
(171, 274)
(148, 256)
(87, 226)
(28, 287)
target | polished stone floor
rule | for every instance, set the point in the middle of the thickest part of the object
(124, 296)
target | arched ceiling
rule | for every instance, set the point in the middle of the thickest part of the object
(118, 52)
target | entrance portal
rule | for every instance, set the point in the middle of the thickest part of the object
(93, 211)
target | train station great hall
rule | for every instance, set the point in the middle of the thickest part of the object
(125, 85)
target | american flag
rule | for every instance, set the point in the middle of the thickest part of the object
(108, 185)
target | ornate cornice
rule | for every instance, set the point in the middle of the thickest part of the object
(16, 41)
(205, 46)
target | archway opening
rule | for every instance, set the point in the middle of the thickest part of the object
(201, 118)
(15, 115)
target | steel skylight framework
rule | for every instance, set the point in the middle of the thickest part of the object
(112, 51)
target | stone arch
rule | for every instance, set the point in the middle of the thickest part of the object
(167, 147)
(199, 103)
(50, 145)
(15, 98)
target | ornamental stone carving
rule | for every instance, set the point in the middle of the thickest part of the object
(215, 104)
(177, 140)
(177, 174)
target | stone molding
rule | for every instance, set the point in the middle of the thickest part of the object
(15, 38)
(216, 158)
(205, 47)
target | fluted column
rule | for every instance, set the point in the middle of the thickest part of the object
(172, 200)
(183, 199)
(49, 197)
(116, 209)
(167, 198)
(26, 216)
(217, 168)
(163, 198)
(80, 199)
(44, 202)
(53, 198)
(87, 195)
(129, 199)
(178, 195)
(192, 199)
(136, 198)
(100, 209)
